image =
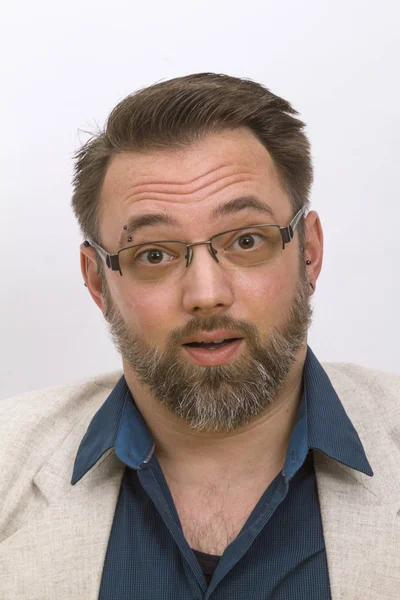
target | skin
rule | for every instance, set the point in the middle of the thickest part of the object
(189, 183)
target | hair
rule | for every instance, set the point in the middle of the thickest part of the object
(176, 113)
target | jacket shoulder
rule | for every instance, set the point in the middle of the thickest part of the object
(354, 378)
(42, 408)
(368, 396)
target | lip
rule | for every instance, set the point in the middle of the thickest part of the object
(212, 336)
(202, 356)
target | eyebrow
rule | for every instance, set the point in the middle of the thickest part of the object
(229, 208)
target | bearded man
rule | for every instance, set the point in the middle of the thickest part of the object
(225, 462)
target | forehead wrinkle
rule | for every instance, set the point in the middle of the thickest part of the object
(184, 188)
(217, 187)
(196, 178)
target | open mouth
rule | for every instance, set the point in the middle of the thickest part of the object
(213, 353)
(212, 345)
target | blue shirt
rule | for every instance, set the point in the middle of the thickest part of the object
(279, 553)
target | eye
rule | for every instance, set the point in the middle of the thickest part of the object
(247, 241)
(153, 256)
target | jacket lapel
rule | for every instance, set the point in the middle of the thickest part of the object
(63, 547)
(361, 532)
(361, 514)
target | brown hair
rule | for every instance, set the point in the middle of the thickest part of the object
(177, 112)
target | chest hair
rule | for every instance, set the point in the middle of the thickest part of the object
(212, 518)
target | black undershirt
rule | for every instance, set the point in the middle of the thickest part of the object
(208, 563)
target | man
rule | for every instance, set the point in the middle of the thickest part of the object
(226, 462)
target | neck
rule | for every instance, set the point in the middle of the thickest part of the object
(189, 455)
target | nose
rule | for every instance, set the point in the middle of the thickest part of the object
(207, 287)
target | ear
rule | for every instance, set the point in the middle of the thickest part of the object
(91, 276)
(314, 249)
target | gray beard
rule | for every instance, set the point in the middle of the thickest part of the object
(218, 398)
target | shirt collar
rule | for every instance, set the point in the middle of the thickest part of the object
(321, 423)
(117, 424)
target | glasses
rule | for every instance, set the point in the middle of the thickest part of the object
(243, 247)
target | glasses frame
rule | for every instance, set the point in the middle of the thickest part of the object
(112, 260)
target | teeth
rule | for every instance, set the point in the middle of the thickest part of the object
(218, 341)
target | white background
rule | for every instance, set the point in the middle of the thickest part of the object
(64, 67)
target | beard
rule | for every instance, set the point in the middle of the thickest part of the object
(217, 398)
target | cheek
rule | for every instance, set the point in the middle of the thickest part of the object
(265, 297)
(149, 313)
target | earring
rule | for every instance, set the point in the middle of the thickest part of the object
(308, 262)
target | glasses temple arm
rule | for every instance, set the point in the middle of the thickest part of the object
(296, 219)
(288, 232)
(111, 260)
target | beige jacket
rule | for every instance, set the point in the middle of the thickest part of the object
(54, 536)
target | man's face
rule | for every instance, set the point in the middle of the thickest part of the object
(268, 304)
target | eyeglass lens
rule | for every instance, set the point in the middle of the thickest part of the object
(241, 248)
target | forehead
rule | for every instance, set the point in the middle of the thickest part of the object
(190, 182)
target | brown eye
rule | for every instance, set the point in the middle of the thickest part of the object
(153, 257)
(248, 241)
